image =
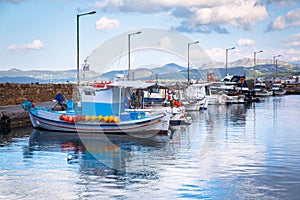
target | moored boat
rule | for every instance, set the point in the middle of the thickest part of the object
(101, 110)
(278, 89)
(261, 90)
(194, 98)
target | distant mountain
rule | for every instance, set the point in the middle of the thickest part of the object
(42, 76)
(170, 71)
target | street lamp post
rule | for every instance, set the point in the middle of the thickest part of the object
(226, 64)
(79, 15)
(274, 57)
(254, 63)
(129, 35)
(189, 44)
(275, 63)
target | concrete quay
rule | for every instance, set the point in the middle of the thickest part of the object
(17, 116)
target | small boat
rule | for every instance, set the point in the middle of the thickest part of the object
(261, 90)
(100, 110)
(195, 97)
(154, 97)
(278, 89)
(230, 90)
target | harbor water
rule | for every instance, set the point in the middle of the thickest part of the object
(227, 152)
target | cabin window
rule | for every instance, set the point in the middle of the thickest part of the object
(154, 90)
(91, 93)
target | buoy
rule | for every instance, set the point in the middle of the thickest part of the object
(71, 119)
(93, 117)
(76, 118)
(100, 118)
(82, 118)
(106, 119)
(66, 118)
(87, 118)
(116, 119)
(62, 117)
(111, 118)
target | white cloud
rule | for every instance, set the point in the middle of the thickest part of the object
(245, 42)
(105, 24)
(216, 54)
(291, 19)
(195, 14)
(292, 41)
(34, 45)
(240, 14)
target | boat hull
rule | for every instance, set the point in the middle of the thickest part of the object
(263, 93)
(153, 125)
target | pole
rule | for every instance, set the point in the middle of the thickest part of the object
(226, 63)
(77, 50)
(188, 64)
(130, 34)
(254, 63)
(128, 75)
(77, 41)
(189, 44)
(275, 63)
(276, 69)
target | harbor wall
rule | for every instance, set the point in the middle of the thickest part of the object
(14, 94)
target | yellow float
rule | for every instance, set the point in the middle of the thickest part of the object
(111, 118)
(106, 119)
(93, 117)
(87, 118)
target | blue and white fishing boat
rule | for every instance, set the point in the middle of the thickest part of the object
(101, 109)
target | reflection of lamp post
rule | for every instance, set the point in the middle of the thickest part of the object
(227, 59)
(89, 13)
(254, 62)
(130, 34)
(275, 63)
(189, 44)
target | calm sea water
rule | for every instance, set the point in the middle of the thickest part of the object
(228, 152)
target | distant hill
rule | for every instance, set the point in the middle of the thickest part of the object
(170, 71)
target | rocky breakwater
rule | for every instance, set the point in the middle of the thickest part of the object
(12, 96)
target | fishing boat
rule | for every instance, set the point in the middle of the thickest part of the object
(101, 109)
(230, 90)
(195, 97)
(278, 89)
(155, 97)
(261, 90)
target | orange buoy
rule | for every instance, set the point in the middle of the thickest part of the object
(66, 118)
(111, 118)
(62, 117)
(71, 119)
(106, 119)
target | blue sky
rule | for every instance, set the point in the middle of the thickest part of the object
(41, 34)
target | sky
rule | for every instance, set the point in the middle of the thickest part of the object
(41, 34)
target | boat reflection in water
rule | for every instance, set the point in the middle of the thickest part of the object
(107, 151)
